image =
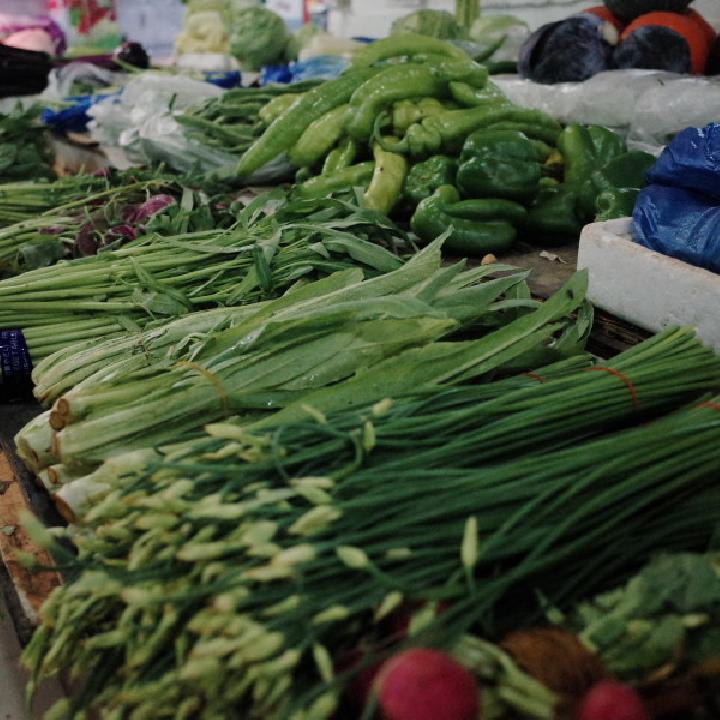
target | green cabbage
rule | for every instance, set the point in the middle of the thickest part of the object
(203, 6)
(488, 30)
(435, 23)
(258, 37)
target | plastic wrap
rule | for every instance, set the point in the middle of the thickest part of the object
(141, 123)
(646, 106)
(61, 80)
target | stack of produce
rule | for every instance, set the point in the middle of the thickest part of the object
(267, 248)
(25, 199)
(257, 570)
(431, 140)
(379, 335)
(624, 34)
(87, 215)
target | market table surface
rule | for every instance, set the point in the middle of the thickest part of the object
(21, 592)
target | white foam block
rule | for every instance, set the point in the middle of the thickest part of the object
(646, 288)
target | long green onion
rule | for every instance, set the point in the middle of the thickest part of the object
(205, 585)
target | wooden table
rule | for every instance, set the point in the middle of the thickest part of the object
(24, 591)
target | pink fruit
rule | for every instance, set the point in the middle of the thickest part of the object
(423, 684)
(611, 700)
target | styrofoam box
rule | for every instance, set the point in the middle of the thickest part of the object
(646, 288)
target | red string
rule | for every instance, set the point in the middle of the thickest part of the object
(535, 376)
(621, 376)
(709, 406)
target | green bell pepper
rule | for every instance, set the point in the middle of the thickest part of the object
(426, 177)
(552, 218)
(618, 184)
(548, 134)
(407, 112)
(319, 137)
(477, 227)
(346, 179)
(405, 81)
(387, 181)
(615, 203)
(340, 157)
(466, 95)
(406, 45)
(447, 131)
(625, 171)
(501, 164)
(585, 150)
(276, 107)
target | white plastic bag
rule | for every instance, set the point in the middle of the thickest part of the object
(142, 124)
(647, 106)
(61, 79)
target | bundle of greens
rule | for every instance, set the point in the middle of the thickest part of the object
(270, 245)
(233, 578)
(24, 151)
(24, 200)
(93, 214)
(233, 121)
(311, 338)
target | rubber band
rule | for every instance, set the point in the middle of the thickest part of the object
(535, 376)
(214, 380)
(620, 376)
(709, 406)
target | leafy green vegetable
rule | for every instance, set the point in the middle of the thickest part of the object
(669, 613)
(158, 277)
(258, 37)
(24, 152)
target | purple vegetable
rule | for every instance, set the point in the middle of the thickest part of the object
(142, 213)
(656, 48)
(126, 233)
(569, 50)
(86, 242)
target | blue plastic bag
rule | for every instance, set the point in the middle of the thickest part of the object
(225, 80)
(691, 161)
(322, 67)
(679, 223)
(72, 119)
(275, 74)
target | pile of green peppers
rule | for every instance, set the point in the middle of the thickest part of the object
(416, 126)
(600, 174)
(526, 185)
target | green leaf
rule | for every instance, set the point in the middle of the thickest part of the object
(364, 252)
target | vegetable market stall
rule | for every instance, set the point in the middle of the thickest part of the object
(256, 406)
